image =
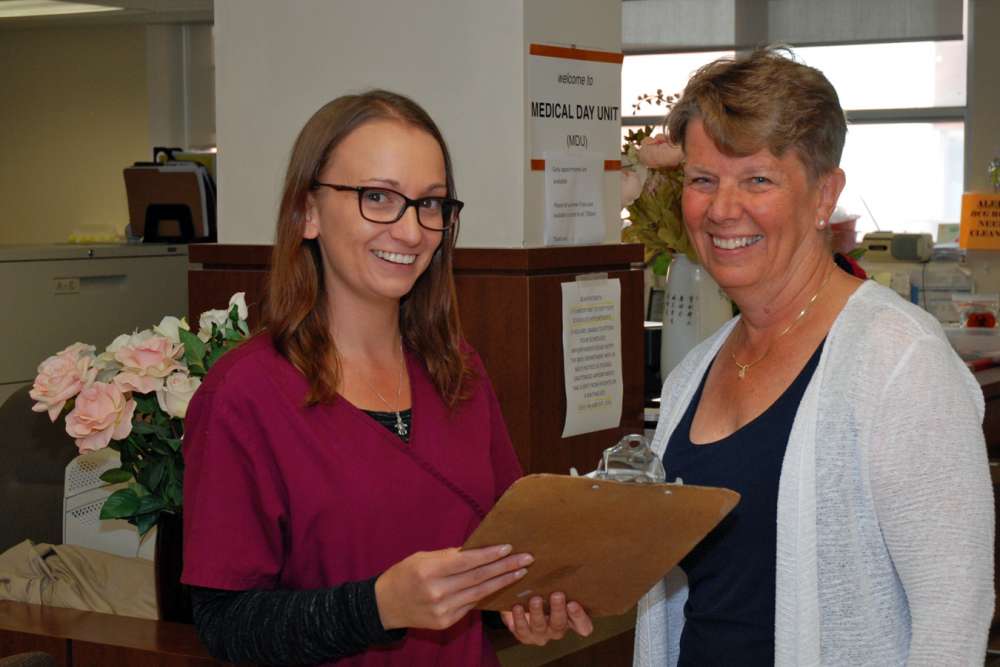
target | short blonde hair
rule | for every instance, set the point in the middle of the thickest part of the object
(764, 99)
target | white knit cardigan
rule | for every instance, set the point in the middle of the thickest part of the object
(885, 505)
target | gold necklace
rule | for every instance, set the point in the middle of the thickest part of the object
(401, 428)
(743, 368)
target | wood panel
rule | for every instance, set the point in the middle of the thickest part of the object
(211, 288)
(12, 643)
(614, 652)
(81, 638)
(550, 451)
(494, 311)
(89, 654)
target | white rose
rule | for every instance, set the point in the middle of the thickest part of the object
(107, 358)
(118, 343)
(207, 319)
(176, 394)
(239, 300)
(170, 326)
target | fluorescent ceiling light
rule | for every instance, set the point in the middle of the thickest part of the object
(21, 8)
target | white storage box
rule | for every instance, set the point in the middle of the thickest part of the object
(974, 343)
(84, 494)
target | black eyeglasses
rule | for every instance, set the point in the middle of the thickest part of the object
(385, 206)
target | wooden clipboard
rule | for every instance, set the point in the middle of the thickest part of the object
(602, 543)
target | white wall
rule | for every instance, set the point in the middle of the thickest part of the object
(463, 60)
(74, 114)
(276, 63)
(982, 115)
(180, 72)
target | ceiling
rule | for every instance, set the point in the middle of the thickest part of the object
(133, 11)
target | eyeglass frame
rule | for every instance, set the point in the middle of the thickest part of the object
(361, 189)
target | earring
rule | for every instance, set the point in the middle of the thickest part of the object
(821, 224)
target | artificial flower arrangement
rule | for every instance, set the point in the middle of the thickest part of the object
(133, 398)
(652, 182)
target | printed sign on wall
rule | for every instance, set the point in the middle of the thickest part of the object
(573, 102)
(592, 355)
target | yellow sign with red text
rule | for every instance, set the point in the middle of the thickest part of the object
(980, 228)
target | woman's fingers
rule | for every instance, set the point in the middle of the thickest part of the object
(475, 593)
(537, 620)
(534, 626)
(484, 573)
(579, 620)
(521, 628)
(469, 559)
(558, 620)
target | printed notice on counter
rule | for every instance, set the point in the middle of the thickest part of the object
(592, 355)
(574, 198)
(980, 223)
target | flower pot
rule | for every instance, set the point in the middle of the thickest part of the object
(695, 307)
(173, 599)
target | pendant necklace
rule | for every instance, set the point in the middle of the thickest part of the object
(741, 373)
(401, 428)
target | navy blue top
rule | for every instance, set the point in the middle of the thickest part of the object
(729, 615)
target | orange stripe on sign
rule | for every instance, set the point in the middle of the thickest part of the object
(609, 165)
(575, 54)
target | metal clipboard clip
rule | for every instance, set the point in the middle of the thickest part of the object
(630, 460)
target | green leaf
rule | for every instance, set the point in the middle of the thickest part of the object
(120, 504)
(127, 450)
(215, 355)
(148, 504)
(145, 403)
(173, 493)
(194, 349)
(152, 474)
(661, 263)
(144, 522)
(174, 443)
(158, 431)
(159, 447)
(116, 476)
(138, 489)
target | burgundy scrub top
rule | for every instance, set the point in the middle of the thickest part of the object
(282, 496)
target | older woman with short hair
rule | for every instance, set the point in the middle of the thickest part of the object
(837, 410)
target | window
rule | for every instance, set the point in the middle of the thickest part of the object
(905, 105)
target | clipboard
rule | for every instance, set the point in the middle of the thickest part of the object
(602, 543)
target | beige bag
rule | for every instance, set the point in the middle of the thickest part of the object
(78, 578)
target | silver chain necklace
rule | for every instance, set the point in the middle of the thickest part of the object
(401, 428)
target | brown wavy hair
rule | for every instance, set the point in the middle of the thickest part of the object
(295, 313)
(765, 99)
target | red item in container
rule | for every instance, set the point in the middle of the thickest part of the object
(981, 320)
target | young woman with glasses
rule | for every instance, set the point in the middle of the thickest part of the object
(336, 461)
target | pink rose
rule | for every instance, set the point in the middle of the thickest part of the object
(61, 377)
(146, 362)
(102, 413)
(631, 187)
(656, 152)
(143, 384)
